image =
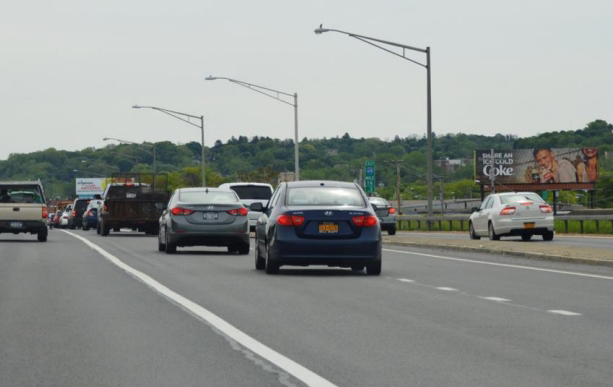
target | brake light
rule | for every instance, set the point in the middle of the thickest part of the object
(545, 208)
(507, 211)
(365, 221)
(238, 212)
(74, 213)
(290, 220)
(106, 207)
(45, 212)
(392, 210)
(297, 220)
(181, 211)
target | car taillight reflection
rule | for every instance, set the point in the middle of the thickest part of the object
(365, 221)
(290, 220)
(238, 211)
(181, 211)
(545, 208)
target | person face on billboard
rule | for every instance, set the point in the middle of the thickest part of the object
(590, 158)
(553, 170)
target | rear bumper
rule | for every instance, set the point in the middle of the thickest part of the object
(342, 253)
(188, 234)
(31, 226)
(523, 226)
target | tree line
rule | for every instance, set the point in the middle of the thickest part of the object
(336, 158)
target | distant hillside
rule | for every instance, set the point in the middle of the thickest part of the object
(262, 158)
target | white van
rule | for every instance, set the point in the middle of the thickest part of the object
(251, 193)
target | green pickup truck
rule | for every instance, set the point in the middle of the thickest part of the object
(23, 208)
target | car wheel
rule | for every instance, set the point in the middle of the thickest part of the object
(548, 236)
(270, 267)
(161, 246)
(243, 249)
(86, 226)
(171, 248)
(391, 230)
(472, 233)
(374, 268)
(104, 229)
(98, 228)
(232, 249)
(72, 226)
(357, 268)
(492, 233)
(116, 229)
(260, 263)
(526, 237)
(42, 236)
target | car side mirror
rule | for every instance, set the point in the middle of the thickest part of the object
(475, 209)
(257, 206)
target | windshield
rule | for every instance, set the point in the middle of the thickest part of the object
(520, 198)
(252, 191)
(379, 201)
(208, 197)
(321, 196)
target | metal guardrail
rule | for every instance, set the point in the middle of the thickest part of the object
(432, 221)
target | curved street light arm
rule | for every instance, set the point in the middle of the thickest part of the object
(369, 40)
(271, 93)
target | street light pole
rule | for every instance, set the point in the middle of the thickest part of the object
(275, 94)
(179, 116)
(135, 143)
(373, 42)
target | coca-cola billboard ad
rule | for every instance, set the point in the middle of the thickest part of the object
(537, 166)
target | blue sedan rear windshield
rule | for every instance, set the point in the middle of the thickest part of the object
(323, 196)
(208, 197)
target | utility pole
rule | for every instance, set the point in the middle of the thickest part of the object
(492, 173)
(398, 191)
(441, 194)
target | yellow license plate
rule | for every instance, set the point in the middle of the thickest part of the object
(328, 228)
(529, 225)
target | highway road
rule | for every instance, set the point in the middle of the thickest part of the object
(592, 241)
(85, 310)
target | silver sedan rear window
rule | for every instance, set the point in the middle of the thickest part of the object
(208, 197)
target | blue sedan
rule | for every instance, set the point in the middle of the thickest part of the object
(326, 223)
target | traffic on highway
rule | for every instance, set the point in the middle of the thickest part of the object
(114, 308)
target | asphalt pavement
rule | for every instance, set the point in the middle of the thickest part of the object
(113, 311)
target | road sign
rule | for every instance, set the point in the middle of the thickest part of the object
(369, 173)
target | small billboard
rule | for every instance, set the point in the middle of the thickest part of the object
(88, 187)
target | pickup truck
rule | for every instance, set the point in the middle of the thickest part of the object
(23, 208)
(133, 201)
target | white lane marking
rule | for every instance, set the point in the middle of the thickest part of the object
(405, 280)
(301, 373)
(497, 299)
(502, 264)
(447, 289)
(564, 312)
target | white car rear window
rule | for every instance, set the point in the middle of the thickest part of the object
(520, 198)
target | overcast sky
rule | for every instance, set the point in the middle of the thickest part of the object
(70, 70)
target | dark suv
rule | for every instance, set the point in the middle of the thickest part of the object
(78, 209)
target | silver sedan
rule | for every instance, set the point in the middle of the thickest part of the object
(512, 214)
(204, 217)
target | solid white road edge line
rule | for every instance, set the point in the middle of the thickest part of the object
(299, 372)
(502, 264)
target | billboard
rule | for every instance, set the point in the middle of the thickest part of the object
(88, 187)
(537, 166)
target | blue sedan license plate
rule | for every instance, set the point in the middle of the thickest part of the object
(210, 216)
(328, 228)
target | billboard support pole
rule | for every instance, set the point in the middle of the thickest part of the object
(555, 203)
(492, 175)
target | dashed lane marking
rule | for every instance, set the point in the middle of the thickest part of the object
(497, 299)
(447, 289)
(501, 264)
(564, 312)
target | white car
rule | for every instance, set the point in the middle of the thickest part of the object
(250, 193)
(511, 214)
